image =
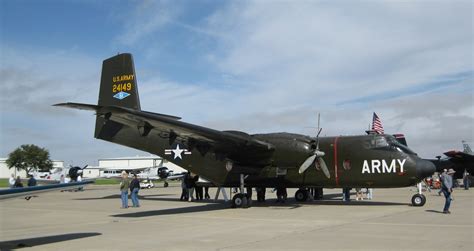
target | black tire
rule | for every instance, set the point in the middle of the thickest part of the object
(301, 195)
(418, 200)
(238, 201)
(165, 184)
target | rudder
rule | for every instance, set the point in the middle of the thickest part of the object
(118, 84)
(118, 87)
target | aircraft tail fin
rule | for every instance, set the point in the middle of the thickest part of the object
(118, 87)
(118, 84)
(467, 148)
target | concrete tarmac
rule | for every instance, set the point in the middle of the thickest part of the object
(93, 220)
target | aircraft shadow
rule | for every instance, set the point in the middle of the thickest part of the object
(117, 196)
(181, 210)
(32, 242)
(355, 203)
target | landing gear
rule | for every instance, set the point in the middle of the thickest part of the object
(241, 200)
(165, 184)
(418, 200)
(301, 195)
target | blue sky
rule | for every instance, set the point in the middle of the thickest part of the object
(255, 66)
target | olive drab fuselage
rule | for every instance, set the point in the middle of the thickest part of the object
(345, 156)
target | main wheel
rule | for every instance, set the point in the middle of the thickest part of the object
(418, 200)
(165, 184)
(301, 195)
(237, 200)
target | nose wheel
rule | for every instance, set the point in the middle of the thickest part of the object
(418, 200)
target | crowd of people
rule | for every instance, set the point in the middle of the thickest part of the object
(16, 182)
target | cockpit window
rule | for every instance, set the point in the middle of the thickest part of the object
(379, 142)
(403, 148)
(398, 146)
(389, 142)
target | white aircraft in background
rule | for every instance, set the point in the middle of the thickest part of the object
(54, 175)
(144, 173)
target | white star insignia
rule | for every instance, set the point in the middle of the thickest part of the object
(177, 152)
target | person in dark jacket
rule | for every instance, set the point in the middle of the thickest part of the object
(31, 181)
(206, 193)
(260, 194)
(134, 188)
(18, 182)
(199, 189)
(190, 184)
(184, 187)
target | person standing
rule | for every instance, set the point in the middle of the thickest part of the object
(346, 194)
(370, 192)
(441, 177)
(358, 193)
(206, 193)
(199, 189)
(124, 185)
(190, 186)
(465, 180)
(134, 188)
(11, 181)
(260, 194)
(79, 179)
(184, 189)
(447, 189)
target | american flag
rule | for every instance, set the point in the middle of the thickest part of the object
(377, 125)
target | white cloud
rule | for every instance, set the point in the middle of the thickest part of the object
(277, 64)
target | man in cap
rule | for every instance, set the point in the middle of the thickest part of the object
(447, 188)
(124, 185)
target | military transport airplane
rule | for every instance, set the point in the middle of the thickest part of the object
(235, 158)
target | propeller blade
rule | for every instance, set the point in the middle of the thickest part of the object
(307, 163)
(324, 167)
(85, 166)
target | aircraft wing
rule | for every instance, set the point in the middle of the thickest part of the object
(460, 156)
(29, 191)
(237, 146)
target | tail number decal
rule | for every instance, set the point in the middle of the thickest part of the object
(121, 87)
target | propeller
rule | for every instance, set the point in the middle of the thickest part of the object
(316, 157)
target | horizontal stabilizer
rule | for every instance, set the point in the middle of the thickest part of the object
(98, 108)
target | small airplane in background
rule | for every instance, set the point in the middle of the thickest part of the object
(144, 173)
(54, 175)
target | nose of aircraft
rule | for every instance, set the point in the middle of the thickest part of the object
(424, 168)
